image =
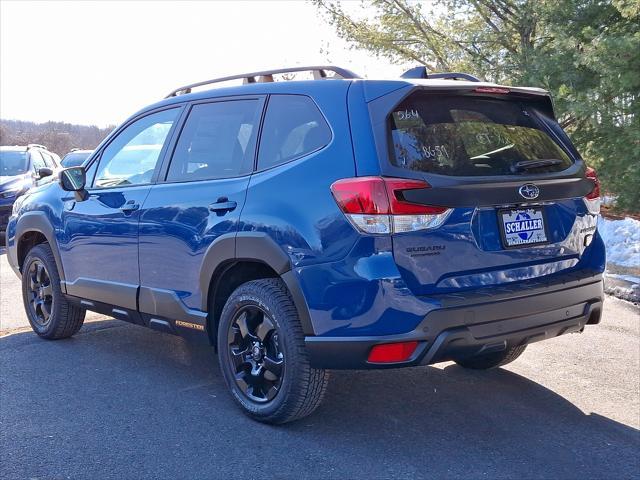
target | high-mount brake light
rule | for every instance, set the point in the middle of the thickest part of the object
(377, 205)
(592, 199)
(498, 90)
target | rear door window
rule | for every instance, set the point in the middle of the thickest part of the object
(293, 127)
(472, 136)
(217, 141)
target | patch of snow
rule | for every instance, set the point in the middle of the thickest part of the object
(608, 200)
(626, 278)
(626, 287)
(622, 241)
(628, 293)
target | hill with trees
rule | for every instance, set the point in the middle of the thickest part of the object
(58, 137)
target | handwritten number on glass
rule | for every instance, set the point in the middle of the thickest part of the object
(407, 114)
(438, 152)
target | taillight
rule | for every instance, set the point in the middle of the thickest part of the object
(592, 175)
(592, 199)
(377, 205)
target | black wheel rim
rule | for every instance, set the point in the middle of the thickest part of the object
(255, 355)
(40, 292)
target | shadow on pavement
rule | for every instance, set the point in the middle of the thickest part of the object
(118, 401)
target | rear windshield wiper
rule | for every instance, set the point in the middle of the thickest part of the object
(533, 164)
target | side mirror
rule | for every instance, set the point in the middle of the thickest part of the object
(44, 172)
(73, 179)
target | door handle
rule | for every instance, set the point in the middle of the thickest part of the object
(130, 206)
(223, 205)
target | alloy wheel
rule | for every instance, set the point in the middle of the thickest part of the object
(255, 354)
(40, 292)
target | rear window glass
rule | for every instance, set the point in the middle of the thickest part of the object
(472, 136)
(217, 141)
(293, 127)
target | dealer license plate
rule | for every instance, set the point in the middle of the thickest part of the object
(523, 227)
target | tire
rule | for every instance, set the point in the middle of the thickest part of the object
(50, 314)
(492, 360)
(263, 357)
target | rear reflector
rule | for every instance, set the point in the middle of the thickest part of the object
(593, 198)
(377, 205)
(392, 352)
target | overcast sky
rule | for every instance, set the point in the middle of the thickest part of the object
(98, 62)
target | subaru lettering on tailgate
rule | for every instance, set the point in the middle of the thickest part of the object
(523, 227)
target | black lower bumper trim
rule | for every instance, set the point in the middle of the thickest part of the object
(463, 331)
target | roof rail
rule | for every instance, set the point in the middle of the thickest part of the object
(319, 72)
(36, 145)
(421, 72)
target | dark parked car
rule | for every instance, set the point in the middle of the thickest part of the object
(303, 226)
(20, 169)
(75, 157)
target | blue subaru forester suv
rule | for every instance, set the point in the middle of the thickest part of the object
(330, 223)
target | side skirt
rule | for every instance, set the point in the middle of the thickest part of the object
(159, 310)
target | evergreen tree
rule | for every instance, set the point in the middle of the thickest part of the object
(585, 52)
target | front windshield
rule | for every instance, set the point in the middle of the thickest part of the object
(12, 163)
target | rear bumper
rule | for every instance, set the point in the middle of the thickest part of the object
(470, 326)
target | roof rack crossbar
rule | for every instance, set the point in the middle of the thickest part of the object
(36, 145)
(318, 72)
(421, 72)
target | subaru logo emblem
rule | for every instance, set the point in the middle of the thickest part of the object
(529, 191)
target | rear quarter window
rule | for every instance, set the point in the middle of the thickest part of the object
(472, 136)
(293, 127)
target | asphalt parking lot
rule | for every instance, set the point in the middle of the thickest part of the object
(120, 401)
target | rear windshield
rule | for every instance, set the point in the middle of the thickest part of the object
(472, 136)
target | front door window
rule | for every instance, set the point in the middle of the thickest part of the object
(132, 158)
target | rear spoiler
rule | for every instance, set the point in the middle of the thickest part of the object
(540, 97)
(421, 73)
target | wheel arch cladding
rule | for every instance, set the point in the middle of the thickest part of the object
(231, 261)
(32, 228)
